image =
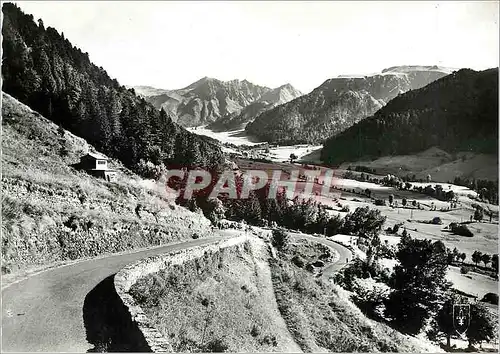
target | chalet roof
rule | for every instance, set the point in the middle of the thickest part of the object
(96, 156)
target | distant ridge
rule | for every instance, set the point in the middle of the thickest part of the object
(458, 112)
(337, 104)
(206, 100)
(268, 100)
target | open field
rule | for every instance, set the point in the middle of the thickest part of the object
(472, 283)
(351, 194)
(239, 137)
(442, 166)
(236, 137)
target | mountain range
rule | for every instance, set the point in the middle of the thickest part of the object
(339, 103)
(206, 100)
(457, 113)
(268, 100)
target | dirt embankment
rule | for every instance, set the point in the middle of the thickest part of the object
(53, 213)
(222, 299)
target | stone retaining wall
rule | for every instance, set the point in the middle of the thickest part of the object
(129, 275)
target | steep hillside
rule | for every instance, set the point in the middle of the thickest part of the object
(52, 212)
(270, 99)
(338, 104)
(42, 69)
(207, 100)
(456, 113)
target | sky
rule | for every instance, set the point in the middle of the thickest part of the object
(174, 43)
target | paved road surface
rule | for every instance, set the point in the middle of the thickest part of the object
(44, 313)
(345, 255)
(68, 308)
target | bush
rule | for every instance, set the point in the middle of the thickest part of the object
(461, 230)
(298, 261)
(279, 239)
(437, 221)
(216, 346)
(358, 269)
(369, 296)
(464, 270)
(379, 202)
(491, 298)
(255, 332)
(478, 213)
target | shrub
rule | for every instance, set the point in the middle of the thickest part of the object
(269, 340)
(437, 221)
(461, 230)
(279, 239)
(216, 345)
(255, 332)
(478, 214)
(491, 298)
(357, 269)
(379, 202)
(369, 296)
(298, 261)
(464, 270)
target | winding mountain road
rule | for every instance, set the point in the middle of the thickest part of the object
(345, 255)
(43, 313)
(73, 308)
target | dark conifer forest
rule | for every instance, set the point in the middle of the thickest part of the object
(458, 112)
(42, 69)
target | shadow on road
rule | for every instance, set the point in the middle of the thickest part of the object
(107, 321)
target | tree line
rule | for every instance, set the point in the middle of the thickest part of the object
(42, 69)
(257, 209)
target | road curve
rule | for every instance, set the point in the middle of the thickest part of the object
(345, 255)
(49, 311)
(43, 313)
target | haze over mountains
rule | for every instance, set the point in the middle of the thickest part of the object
(339, 103)
(208, 100)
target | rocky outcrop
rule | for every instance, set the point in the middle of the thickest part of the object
(338, 104)
(129, 275)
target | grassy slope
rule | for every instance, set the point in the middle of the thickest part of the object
(223, 299)
(442, 166)
(322, 318)
(51, 212)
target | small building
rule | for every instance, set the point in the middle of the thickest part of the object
(97, 165)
